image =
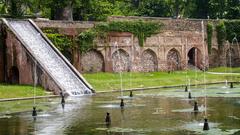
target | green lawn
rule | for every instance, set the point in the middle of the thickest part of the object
(10, 107)
(111, 81)
(18, 91)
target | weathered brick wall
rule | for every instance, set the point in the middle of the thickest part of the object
(180, 35)
(20, 65)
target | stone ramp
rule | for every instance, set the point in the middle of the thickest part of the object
(49, 58)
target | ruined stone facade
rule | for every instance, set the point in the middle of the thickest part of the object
(180, 43)
(18, 66)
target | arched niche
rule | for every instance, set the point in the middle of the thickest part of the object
(120, 61)
(92, 61)
(173, 60)
(149, 61)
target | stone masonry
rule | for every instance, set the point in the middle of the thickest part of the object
(181, 42)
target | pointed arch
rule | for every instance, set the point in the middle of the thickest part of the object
(195, 58)
(173, 59)
(92, 61)
(120, 61)
(149, 61)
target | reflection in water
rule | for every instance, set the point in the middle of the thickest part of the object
(151, 112)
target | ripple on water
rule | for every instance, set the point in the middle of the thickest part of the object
(228, 92)
(118, 106)
(158, 111)
(125, 97)
(214, 130)
(124, 130)
(5, 117)
(200, 109)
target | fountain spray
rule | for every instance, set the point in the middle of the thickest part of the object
(205, 126)
(34, 112)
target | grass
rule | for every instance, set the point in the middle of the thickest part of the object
(10, 107)
(20, 91)
(111, 81)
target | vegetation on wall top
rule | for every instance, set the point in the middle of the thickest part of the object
(209, 36)
(227, 30)
(141, 29)
(62, 42)
(232, 29)
(221, 33)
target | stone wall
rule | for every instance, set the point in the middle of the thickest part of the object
(20, 67)
(180, 43)
(227, 55)
(167, 50)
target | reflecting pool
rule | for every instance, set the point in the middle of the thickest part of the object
(151, 112)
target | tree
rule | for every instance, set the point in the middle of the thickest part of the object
(60, 10)
(233, 9)
(200, 9)
(156, 8)
(217, 8)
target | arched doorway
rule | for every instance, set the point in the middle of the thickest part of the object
(14, 75)
(120, 61)
(149, 61)
(195, 58)
(173, 60)
(92, 61)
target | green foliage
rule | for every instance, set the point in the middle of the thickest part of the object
(62, 42)
(85, 40)
(209, 36)
(139, 28)
(221, 33)
(99, 10)
(232, 29)
(217, 8)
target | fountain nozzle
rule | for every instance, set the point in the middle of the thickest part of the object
(131, 94)
(231, 85)
(189, 95)
(205, 126)
(34, 112)
(122, 103)
(108, 118)
(195, 106)
(186, 88)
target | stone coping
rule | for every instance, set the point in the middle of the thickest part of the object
(159, 87)
(28, 98)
